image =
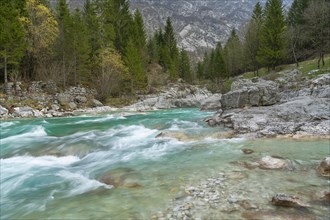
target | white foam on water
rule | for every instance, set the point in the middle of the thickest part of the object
(16, 170)
(37, 131)
(177, 124)
(80, 183)
(100, 119)
(7, 124)
(132, 136)
(156, 151)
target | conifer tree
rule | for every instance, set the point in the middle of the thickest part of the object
(184, 66)
(171, 52)
(134, 63)
(140, 38)
(123, 24)
(80, 47)
(252, 39)
(233, 54)
(272, 50)
(220, 70)
(12, 37)
(295, 32)
(65, 36)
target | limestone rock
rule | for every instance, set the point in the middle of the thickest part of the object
(213, 103)
(121, 178)
(72, 105)
(3, 111)
(324, 167)
(96, 103)
(272, 163)
(64, 99)
(23, 112)
(287, 201)
(80, 99)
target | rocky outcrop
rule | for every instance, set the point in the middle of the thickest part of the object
(43, 99)
(302, 112)
(212, 103)
(324, 167)
(257, 92)
(179, 95)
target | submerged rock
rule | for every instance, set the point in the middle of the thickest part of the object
(287, 201)
(248, 151)
(272, 163)
(324, 167)
(121, 178)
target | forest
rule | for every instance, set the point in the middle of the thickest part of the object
(105, 45)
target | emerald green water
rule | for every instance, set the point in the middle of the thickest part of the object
(50, 168)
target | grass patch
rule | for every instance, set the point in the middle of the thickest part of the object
(120, 101)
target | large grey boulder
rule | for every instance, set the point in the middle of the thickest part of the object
(64, 99)
(96, 103)
(213, 103)
(256, 92)
(23, 112)
(3, 111)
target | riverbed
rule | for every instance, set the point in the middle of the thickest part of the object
(54, 168)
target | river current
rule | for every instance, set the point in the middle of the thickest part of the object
(51, 168)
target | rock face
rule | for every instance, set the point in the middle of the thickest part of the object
(287, 201)
(277, 109)
(212, 103)
(178, 95)
(251, 93)
(272, 163)
(324, 168)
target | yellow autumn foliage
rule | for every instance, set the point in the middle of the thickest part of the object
(41, 27)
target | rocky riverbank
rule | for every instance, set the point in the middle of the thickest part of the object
(228, 194)
(45, 99)
(291, 105)
(175, 95)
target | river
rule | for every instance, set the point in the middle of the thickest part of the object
(51, 168)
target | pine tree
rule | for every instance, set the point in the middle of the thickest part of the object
(140, 38)
(171, 52)
(65, 36)
(134, 62)
(123, 24)
(80, 47)
(233, 54)
(184, 67)
(200, 70)
(92, 24)
(12, 37)
(272, 50)
(220, 70)
(252, 39)
(295, 32)
(107, 22)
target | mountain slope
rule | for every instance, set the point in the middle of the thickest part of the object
(199, 24)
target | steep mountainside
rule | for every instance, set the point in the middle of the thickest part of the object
(199, 23)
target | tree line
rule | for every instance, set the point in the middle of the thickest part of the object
(272, 37)
(103, 45)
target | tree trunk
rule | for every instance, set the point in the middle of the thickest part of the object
(318, 61)
(75, 69)
(295, 56)
(63, 69)
(6, 73)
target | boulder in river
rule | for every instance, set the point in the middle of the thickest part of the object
(272, 163)
(247, 151)
(287, 201)
(121, 178)
(324, 167)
